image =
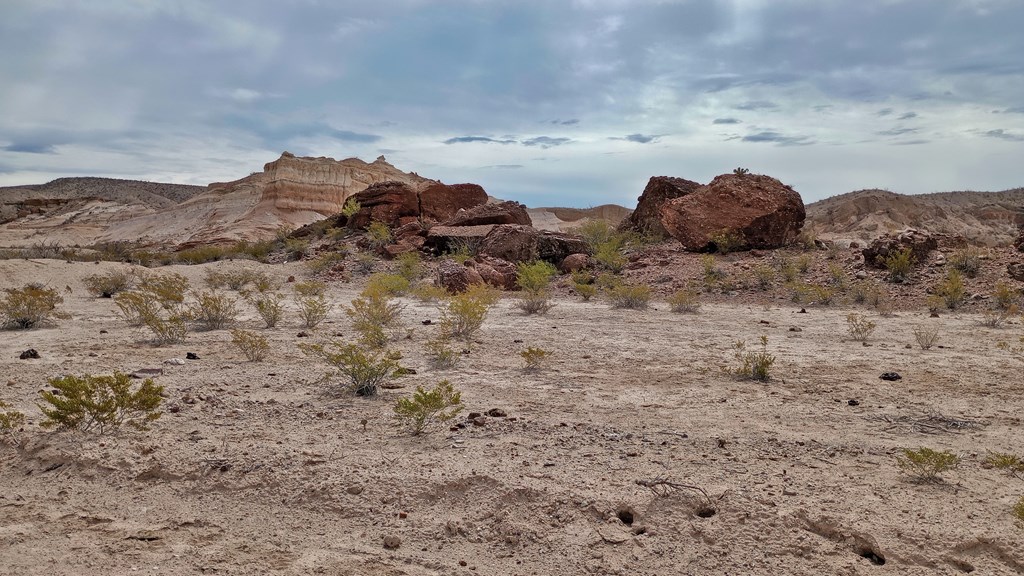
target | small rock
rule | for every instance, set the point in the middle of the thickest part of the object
(29, 354)
(391, 541)
(788, 492)
(191, 356)
(302, 334)
(480, 421)
(403, 515)
(427, 322)
(802, 311)
(891, 376)
(147, 372)
(795, 329)
(174, 362)
(852, 402)
(473, 415)
(462, 563)
(103, 331)
(291, 279)
(355, 489)
(861, 275)
(496, 413)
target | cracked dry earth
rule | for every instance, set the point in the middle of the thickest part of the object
(263, 469)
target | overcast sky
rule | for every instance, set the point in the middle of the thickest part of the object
(548, 102)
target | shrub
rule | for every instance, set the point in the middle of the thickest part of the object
(898, 264)
(740, 171)
(859, 326)
(788, 270)
(200, 254)
(100, 402)
(170, 330)
(168, 290)
(952, 289)
(1018, 509)
(410, 266)
(632, 297)
(755, 365)
(313, 309)
(836, 276)
(157, 305)
(926, 337)
(378, 234)
(966, 260)
(109, 284)
(1001, 461)
(253, 345)
(270, 307)
(461, 250)
(10, 420)
(365, 262)
(803, 263)
(371, 315)
(238, 279)
(866, 292)
(440, 352)
(262, 283)
(996, 318)
(925, 464)
(935, 304)
(213, 310)
(463, 314)
(442, 403)
(350, 208)
(686, 301)
(366, 370)
(725, 241)
(535, 358)
(296, 248)
(819, 294)
(325, 261)
(585, 291)
(1004, 296)
(534, 279)
(765, 276)
(255, 250)
(29, 307)
(712, 273)
(428, 292)
(214, 279)
(310, 288)
(386, 285)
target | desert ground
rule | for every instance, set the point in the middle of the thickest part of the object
(265, 468)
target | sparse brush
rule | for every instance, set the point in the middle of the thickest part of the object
(10, 420)
(788, 270)
(461, 250)
(253, 345)
(712, 273)
(386, 284)
(442, 403)
(765, 276)
(952, 289)
(350, 208)
(365, 262)
(296, 248)
(32, 306)
(967, 260)
(172, 329)
(238, 279)
(1004, 296)
(585, 291)
(440, 353)
(898, 264)
(109, 284)
(372, 315)
(935, 304)
(313, 309)
(270, 307)
(168, 290)
(263, 283)
(1002, 461)
(725, 241)
(213, 310)
(630, 296)
(200, 254)
(926, 337)
(428, 292)
(534, 279)
(214, 279)
(463, 314)
(686, 301)
(378, 235)
(836, 276)
(535, 302)
(925, 464)
(823, 295)
(1018, 509)
(366, 370)
(756, 365)
(807, 239)
(803, 263)
(997, 317)
(859, 326)
(325, 262)
(310, 288)
(410, 266)
(102, 403)
(534, 358)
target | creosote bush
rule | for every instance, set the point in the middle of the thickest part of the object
(463, 314)
(1004, 296)
(270, 307)
(952, 290)
(313, 309)
(378, 234)
(925, 464)
(213, 310)
(534, 279)
(997, 317)
(109, 284)
(326, 261)
(10, 420)
(29, 307)
(410, 266)
(1018, 509)
(310, 288)
(440, 352)
(725, 241)
(898, 264)
(350, 208)
(966, 260)
(428, 292)
(1002, 461)
(365, 370)
(926, 337)
(753, 365)
(442, 403)
(534, 358)
(386, 284)
(630, 296)
(100, 403)
(685, 301)
(253, 345)
(859, 326)
(373, 314)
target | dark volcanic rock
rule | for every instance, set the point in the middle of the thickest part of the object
(660, 189)
(440, 202)
(921, 244)
(502, 213)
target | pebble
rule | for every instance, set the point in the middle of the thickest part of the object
(355, 489)
(391, 541)
(174, 362)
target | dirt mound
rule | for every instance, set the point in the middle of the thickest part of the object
(986, 218)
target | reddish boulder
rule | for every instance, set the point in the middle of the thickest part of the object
(440, 202)
(660, 189)
(447, 238)
(495, 271)
(761, 211)
(573, 263)
(385, 202)
(512, 242)
(919, 242)
(455, 277)
(555, 246)
(501, 213)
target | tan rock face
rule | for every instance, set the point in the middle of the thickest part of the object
(760, 210)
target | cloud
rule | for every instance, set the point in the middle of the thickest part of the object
(481, 139)
(570, 122)
(756, 105)
(1004, 135)
(31, 148)
(777, 138)
(639, 138)
(349, 136)
(503, 167)
(907, 116)
(545, 141)
(726, 121)
(884, 112)
(897, 131)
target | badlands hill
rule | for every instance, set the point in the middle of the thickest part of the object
(988, 218)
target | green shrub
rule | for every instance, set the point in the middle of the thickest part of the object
(898, 264)
(325, 261)
(365, 262)
(725, 241)
(253, 345)
(296, 248)
(410, 266)
(1018, 509)
(442, 403)
(1001, 461)
(1004, 296)
(741, 171)
(585, 291)
(373, 314)
(213, 310)
(351, 207)
(157, 303)
(836, 276)
(610, 257)
(440, 352)
(996, 318)
(952, 290)
(168, 290)
(765, 276)
(428, 292)
(378, 235)
(534, 279)
(685, 301)
(366, 370)
(29, 307)
(859, 326)
(788, 270)
(535, 358)
(200, 254)
(606, 244)
(313, 309)
(803, 263)
(109, 284)
(630, 296)
(712, 273)
(756, 365)
(926, 337)
(925, 464)
(966, 260)
(10, 420)
(310, 288)
(270, 307)
(255, 250)
(386, 285)
(462, 315)
(461, 250)
(166, 330)
(102, 403)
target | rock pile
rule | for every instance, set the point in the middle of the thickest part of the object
(920, 243)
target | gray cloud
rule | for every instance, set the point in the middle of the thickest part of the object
(480, 139)
(504, 167)
(31, 148)
(907, 116)
(884, 112)
(545, 141)
(756, 105)
(777, 138)
(726, 121)
(570, 122)
(897, 131)
(639, 138)
(1004, 135)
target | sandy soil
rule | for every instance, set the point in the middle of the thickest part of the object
(265, 470)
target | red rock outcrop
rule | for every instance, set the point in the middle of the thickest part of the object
(501, 213)
(386, 202)
(920, 243)
(512, 242)
(455, 277)
(660, 189)
(441, 202)
(761, 211)
(495, 271)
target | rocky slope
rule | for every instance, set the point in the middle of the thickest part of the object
(989, 218)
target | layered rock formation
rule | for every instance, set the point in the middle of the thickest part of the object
(758, 210)
(660, 189)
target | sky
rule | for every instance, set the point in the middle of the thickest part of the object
(548, 102)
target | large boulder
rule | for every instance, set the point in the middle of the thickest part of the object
(660, 189)
(455, 277)
(759, 211)
(555, 246)
(387, 202)
(502, 213)
(440, 202)
(512, 242)
(495, 271)
(447, 238)
(920, 243)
